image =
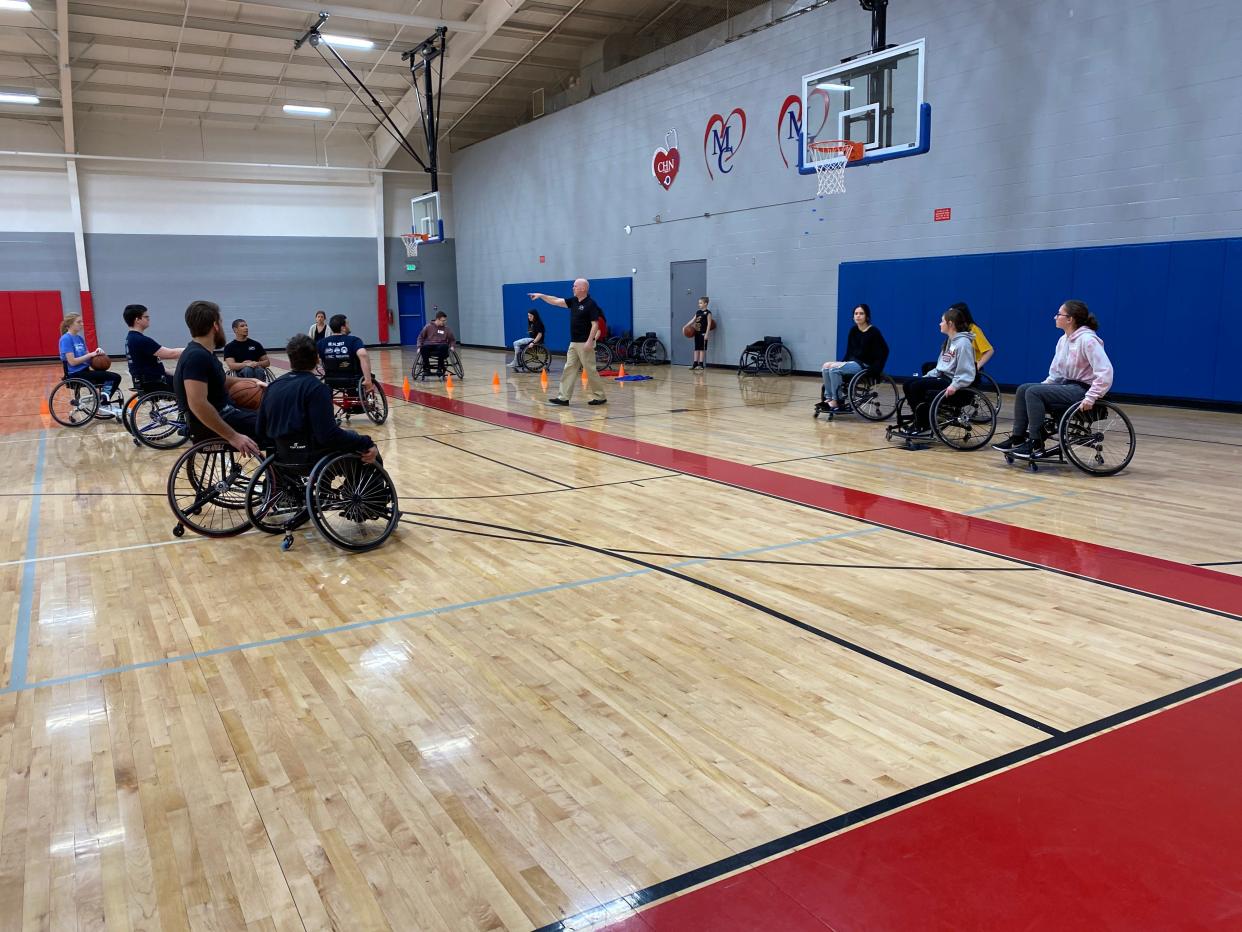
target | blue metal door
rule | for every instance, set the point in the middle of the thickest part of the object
(411, 311)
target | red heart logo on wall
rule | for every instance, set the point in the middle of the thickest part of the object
(721, 140)
(664, 165)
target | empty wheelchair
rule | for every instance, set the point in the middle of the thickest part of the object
(871, 395)
(965, 420)
(766, 355)
(351, 503)
(1100, 442)
(533, 358)
(350, 397)
(452, 366)
(75, 401)
(207, 489)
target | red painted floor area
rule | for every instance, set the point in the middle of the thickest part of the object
(1166, 579)
(1137, 829)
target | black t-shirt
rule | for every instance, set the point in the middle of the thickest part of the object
(140, 350)
(244, 350)
(297, 408)
(339, 353)
(198, 364)
(581, 315)
(535, 328)
(700, 319)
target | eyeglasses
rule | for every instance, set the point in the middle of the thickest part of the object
(1059, 314)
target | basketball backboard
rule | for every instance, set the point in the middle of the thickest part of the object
(876, 100)
(425, 217)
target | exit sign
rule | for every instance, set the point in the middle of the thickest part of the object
(942, 213)
(411, 267)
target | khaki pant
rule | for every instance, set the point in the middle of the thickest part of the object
(578, 358)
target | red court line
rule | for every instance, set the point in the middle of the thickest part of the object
(1135, 829)
(1165, 579)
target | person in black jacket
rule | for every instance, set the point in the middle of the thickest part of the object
(297, 413)
(535, 331)
(864, 349)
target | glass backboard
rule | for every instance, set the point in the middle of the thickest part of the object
(425, 219)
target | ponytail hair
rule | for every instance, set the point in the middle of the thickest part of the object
(1080, 314)
(68, 322)
(968, 319)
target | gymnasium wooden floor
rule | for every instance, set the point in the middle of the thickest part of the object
(661, 640)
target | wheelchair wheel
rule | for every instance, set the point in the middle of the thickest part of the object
(127, 411)
(73, 402)
(651, 352)
(603, 357)
(873, 396)
(156, 421)
(536, 358)
(966, 421)
(986, 384)
(778, 358)
(266, 375)
(452, 365)
(208, 487)
(750, 362)
(351, 503)
(275, 499)
(374, 402)
(1100, 442)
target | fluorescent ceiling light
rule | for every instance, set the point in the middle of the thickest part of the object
(348, 42)
(15, 5)
(308, 111)
(6, 98)
(835, 87)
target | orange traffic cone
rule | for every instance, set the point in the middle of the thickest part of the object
(495, 379)
(621, 371)
(405, 388)
(584, 378)
(448, 382)
(543, 378)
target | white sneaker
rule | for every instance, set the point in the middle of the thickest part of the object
(512, 365)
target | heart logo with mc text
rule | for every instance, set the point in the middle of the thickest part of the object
(721, 140)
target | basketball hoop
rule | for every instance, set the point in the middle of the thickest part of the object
(411, 241)
(829, 159)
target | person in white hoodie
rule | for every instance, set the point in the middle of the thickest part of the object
(955, 370)
(1080, 374)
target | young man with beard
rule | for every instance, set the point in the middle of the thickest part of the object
(202, 386)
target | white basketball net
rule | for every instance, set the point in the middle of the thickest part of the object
(411, 241)
(830, 174)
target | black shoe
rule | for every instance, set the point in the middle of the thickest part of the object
(596, 401)
(558, 401)
(1027, 450)
(1006, 446)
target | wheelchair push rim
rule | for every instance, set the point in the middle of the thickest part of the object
(156, 421)
(1100, 442)
(208, 488)
(964, 421)
(873, 397)
(275, 499)
(374, 402)
(73, 402)
(351, 503)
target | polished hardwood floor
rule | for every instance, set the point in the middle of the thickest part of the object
(488, 726)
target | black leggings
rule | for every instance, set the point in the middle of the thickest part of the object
(106, 382)
(919, 394)
(439, 350)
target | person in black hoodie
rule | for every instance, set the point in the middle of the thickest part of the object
(535, 331)
(864, 349)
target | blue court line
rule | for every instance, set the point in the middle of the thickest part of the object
(445, 609)
(25, 605)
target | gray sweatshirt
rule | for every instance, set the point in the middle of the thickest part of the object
(957, 360)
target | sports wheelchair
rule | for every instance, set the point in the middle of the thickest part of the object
(870, 394)
(965, 420)
(351, 503)
(766, 355)
(645, 350)
(350, 396)
(1100, 442)
(452, 366)
(75, 401)
(154, 418)
(534, 357)
(207, 489)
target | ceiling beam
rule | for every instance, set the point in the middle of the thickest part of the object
(374, 16)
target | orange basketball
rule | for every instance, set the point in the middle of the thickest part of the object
(245, 394)
(101, 362)
(688, 330)
(711, 323)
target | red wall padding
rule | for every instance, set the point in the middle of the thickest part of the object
(29, 323)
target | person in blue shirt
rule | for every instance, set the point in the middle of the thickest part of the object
(72, 351)
(344, 356)
(144, 354)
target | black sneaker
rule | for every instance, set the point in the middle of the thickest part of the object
(596, 401)
(1005, 446)
(1027, 449)
(558, 401)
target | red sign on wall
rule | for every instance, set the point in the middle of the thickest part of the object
(942, 213)
(543, 258)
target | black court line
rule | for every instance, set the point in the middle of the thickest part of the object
(573, 488)
(613, 909)
(500, 463)
(825, 456)
(848, 645)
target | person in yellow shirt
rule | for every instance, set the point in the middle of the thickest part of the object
(983, 349)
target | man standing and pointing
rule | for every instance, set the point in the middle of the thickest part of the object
(584, 323)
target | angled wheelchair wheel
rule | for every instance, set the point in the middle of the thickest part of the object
(127, 411)
(73, 402)
(778, 359)
(351, 503)
(986, 384)
(452, 365)
(156, 421)
(873, 396)
(208, 487)
(965, 421)
(1100, 442)
(750, 362)
(276, 498)
(651, 352)
(374, 402)
(603, 357)
(266, 375)
(536, 358)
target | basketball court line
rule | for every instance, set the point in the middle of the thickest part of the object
(1153, 577)
(25, 601)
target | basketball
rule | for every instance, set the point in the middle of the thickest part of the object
(711, 323)
(688, 330)
(245, 394)
(102, 361)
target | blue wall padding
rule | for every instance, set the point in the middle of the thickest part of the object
(615, 296)
(1170, 320)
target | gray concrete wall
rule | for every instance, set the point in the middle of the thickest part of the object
(1055, 123)
(40, 262)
